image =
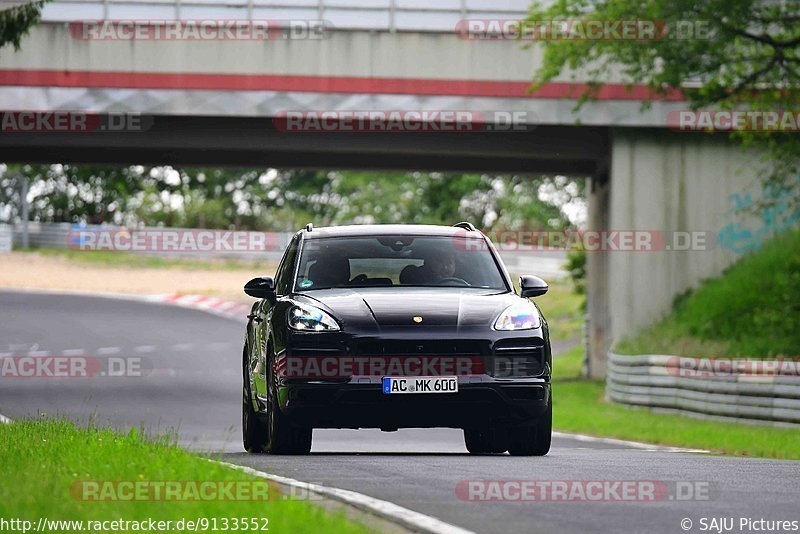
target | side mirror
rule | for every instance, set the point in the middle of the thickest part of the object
(262, 287)
(532, 286)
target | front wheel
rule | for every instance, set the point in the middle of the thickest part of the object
(533, 440)
(254, 431)
(283, 437)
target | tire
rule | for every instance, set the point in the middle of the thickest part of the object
(283, 437)
(486, 440)
(533, 440)
(254, 431)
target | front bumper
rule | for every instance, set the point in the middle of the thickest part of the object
(481, 401)
(488, 395)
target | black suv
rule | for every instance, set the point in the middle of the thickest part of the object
(394, 326)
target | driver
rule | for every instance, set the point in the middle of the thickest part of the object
(440, 265)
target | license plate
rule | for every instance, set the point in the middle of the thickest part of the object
(419, 384)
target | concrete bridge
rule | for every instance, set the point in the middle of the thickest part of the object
(215, 102)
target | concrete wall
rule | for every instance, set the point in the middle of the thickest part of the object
(350, 70)
(672, 182)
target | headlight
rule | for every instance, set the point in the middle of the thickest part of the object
(303, 317)
(522, 316)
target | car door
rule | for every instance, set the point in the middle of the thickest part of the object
(263, 316)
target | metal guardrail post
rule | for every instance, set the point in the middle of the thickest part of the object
(656, 381)
(24, 215)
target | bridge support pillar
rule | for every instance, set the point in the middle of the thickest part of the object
(597, 272)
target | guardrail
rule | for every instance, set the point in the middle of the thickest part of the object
(381, 15)
(548, 263)
(675, 383)
(57, 235)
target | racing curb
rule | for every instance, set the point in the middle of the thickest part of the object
(231, 309)
(225, 308)
(409, 519)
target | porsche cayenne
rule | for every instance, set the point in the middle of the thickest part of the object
(396, 326)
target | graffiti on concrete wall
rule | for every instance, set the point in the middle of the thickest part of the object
(758, 216)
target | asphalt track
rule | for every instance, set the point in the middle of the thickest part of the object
(192, 386)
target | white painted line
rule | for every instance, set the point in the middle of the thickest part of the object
(73, 352)
(181, 347)
(4, 420)
(103, 351)
(168, 299)
(6, 354)
(38, 353)
(385, 509)
(144, 348)
(633, 444)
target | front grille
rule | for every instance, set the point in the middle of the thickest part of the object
(403, 347)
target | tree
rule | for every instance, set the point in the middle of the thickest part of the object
(70, 193)
(719, 53)
(270, 199)
(16, 21)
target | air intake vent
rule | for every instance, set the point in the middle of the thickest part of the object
(521, 360)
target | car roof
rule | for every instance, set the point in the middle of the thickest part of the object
(370, 230)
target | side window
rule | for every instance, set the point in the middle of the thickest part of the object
(283, 279)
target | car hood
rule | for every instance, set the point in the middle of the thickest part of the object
(383, 308)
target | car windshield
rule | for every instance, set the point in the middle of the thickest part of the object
(422, 261)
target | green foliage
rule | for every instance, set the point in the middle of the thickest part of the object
(564, 310)
(580, 407)
(742, 53)
(282, 200)
(43, 459)
(751, 310)
(15, 22)
(576, 266)
(69, 193)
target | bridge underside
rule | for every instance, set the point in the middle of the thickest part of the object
(243, 141)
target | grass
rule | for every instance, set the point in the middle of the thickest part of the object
(42, 461)
(563, 308)
(579, 406)
(751, 310)
(108, 258)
